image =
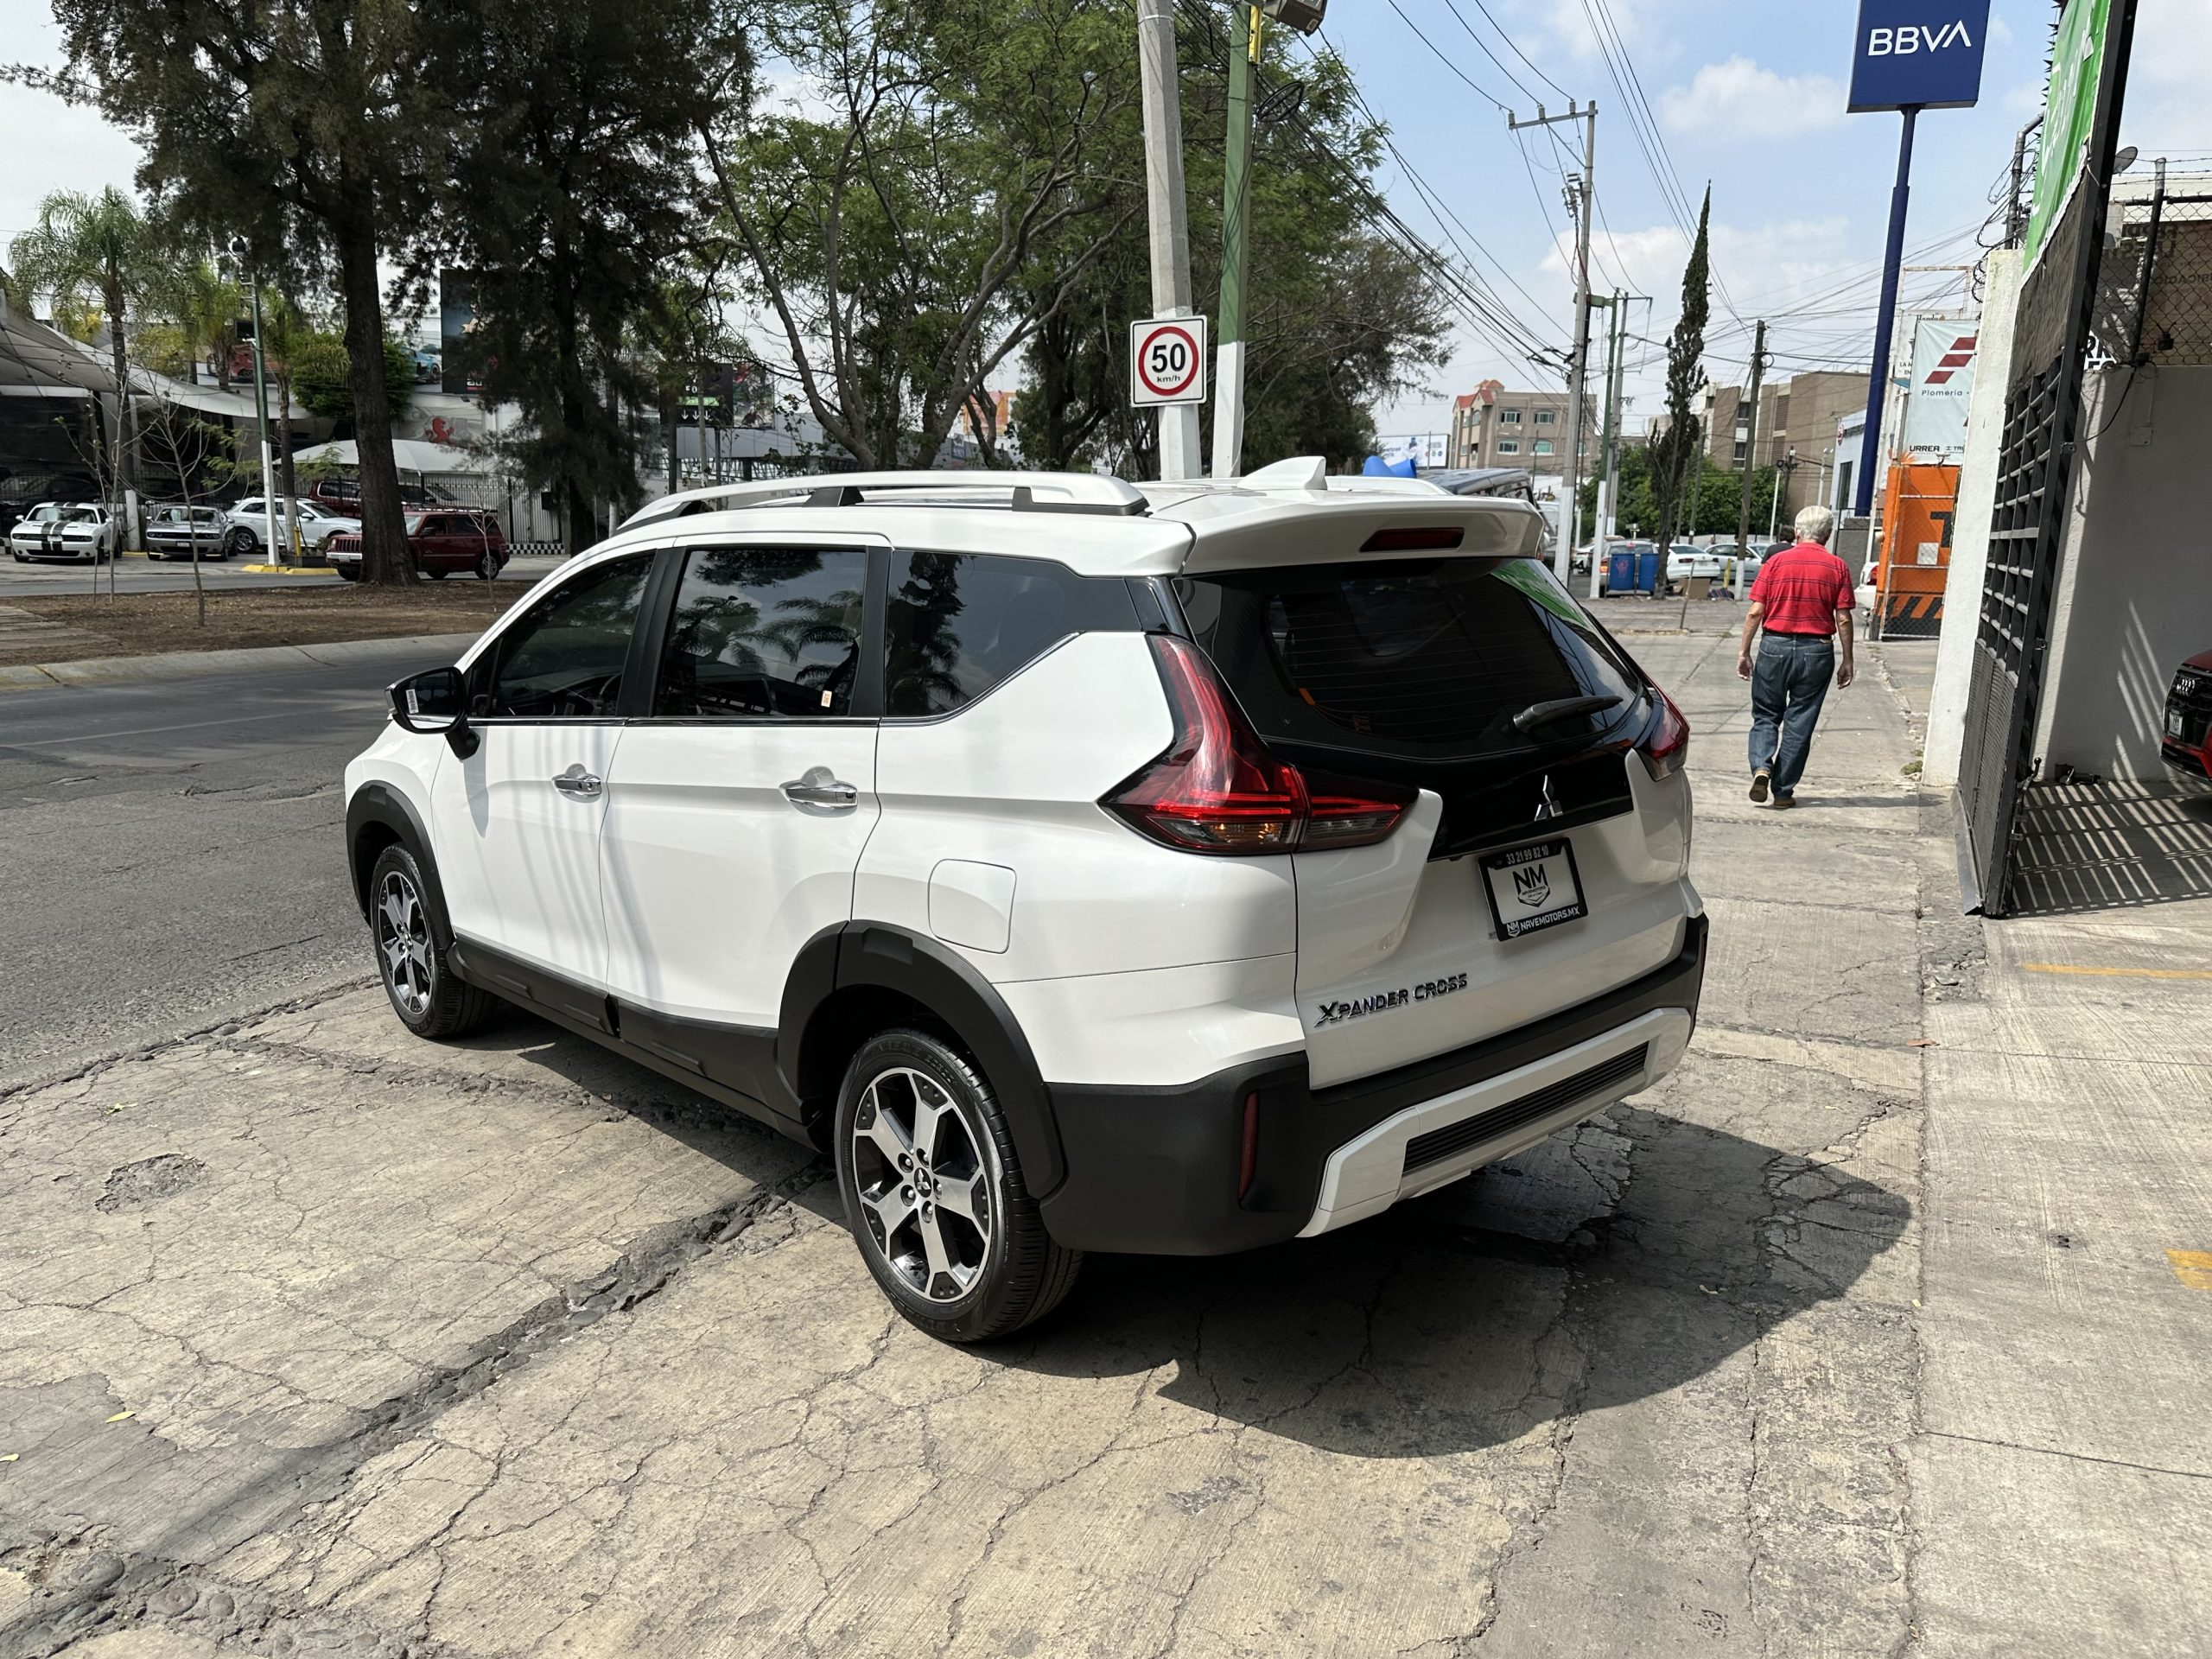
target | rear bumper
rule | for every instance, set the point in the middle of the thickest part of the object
(1156, 1170)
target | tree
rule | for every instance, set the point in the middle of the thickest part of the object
(1336, 319)
(86, 247)
(205, 307)
(896, 240)
(572, 178)
(1677, 446)
(303, 125)
(319, 365)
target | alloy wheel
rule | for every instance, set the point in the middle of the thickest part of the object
(403, 943)
(923, 1186)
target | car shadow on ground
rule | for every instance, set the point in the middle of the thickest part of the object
(1628, 1258)
(1443, 1326)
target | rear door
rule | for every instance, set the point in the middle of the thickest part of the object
(1543, 866)
(737, 819)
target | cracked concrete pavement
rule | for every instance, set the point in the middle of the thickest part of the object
(317, 1339)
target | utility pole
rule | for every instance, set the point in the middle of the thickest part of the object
(1750, 448)
(1236, 238)
(1167, 215)
(1609, 482)
(1581, 194)
(1878, 382)
(279, 552)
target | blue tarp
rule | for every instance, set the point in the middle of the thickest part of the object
(1378, 467)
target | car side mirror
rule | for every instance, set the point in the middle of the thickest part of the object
(436, 701)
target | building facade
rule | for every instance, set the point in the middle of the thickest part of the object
(1492, 426)
(1798, 421)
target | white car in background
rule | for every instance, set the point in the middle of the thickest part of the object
(317, 524)
(65, 529)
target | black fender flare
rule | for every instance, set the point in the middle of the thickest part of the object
(881, 955)
(380, 803)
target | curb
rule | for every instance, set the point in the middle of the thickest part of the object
(193, 665)
(288, 569)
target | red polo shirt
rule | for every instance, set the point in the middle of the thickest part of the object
(1802, 588)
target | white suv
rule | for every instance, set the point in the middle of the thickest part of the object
(1083, 867)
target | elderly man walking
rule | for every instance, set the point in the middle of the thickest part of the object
(1801, 602)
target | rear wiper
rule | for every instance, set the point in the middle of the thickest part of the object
(1546, 714)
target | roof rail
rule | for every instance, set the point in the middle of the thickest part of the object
(1086, 492)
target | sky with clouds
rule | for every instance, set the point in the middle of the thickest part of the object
(1747, 95)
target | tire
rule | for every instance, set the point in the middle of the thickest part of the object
(996, 1268)
(238, 544)
(407, 925)
(433, 576)
(349, 572)
(486, 569)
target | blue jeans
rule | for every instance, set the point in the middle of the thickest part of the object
(1789, 681)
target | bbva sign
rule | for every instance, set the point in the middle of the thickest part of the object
(1904, 43)
(1924, 54)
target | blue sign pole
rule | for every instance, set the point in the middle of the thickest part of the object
(1877, 382)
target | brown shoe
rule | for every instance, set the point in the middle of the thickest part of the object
(1760, 787)
(1782, 803)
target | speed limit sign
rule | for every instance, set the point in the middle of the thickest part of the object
(1167, 361)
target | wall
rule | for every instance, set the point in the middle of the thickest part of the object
(2135, 597)
(1947, 705)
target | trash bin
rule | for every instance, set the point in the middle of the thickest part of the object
(1620, 571)
(1647, 572)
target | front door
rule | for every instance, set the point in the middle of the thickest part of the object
(518, 823)
(743, 803)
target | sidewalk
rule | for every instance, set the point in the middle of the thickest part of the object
(2056, 1473)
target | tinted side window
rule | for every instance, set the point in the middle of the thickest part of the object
(565, 660)
(959, 623)
(761, 632)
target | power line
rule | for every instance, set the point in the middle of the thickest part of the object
(1446, 61)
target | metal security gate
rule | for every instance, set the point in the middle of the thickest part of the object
(2051, 342)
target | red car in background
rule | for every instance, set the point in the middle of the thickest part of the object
(2186, 745)
(441, 542)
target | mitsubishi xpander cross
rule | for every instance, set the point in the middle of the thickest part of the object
(1081, 868)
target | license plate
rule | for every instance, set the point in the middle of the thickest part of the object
(2173, 722)
(1533, 887)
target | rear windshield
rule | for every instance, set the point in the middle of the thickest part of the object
(1422, 658)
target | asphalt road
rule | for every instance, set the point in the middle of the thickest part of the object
(170, 851)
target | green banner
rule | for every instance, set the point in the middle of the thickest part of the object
(2076, 63)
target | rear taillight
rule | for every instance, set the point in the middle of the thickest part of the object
(1218, 790)
(1665, 744)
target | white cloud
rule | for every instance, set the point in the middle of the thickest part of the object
(1739, 98)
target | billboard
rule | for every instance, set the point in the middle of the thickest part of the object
(1922, 53)
(2077, 54)
(1942, 383)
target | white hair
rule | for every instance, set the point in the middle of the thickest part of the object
(1815, 523)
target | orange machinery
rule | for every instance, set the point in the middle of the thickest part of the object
(1918, 507)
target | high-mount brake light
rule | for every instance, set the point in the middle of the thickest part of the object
(1218, 790)
(1665, 744)
(1412, 539)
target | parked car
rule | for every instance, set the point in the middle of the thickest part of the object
(2186, 743)
(342, 496)
(65, 529)
(317, 522)
(1080, 868)
(174, 532)
(450, 541)
(1685, 561)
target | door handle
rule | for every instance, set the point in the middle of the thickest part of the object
(578, 785)
(818, 786)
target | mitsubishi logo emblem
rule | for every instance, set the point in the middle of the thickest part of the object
(1547, 804)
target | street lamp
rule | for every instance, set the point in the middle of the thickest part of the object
(1304, 15)
(239, 252)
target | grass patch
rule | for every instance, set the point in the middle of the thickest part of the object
(139, 625)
